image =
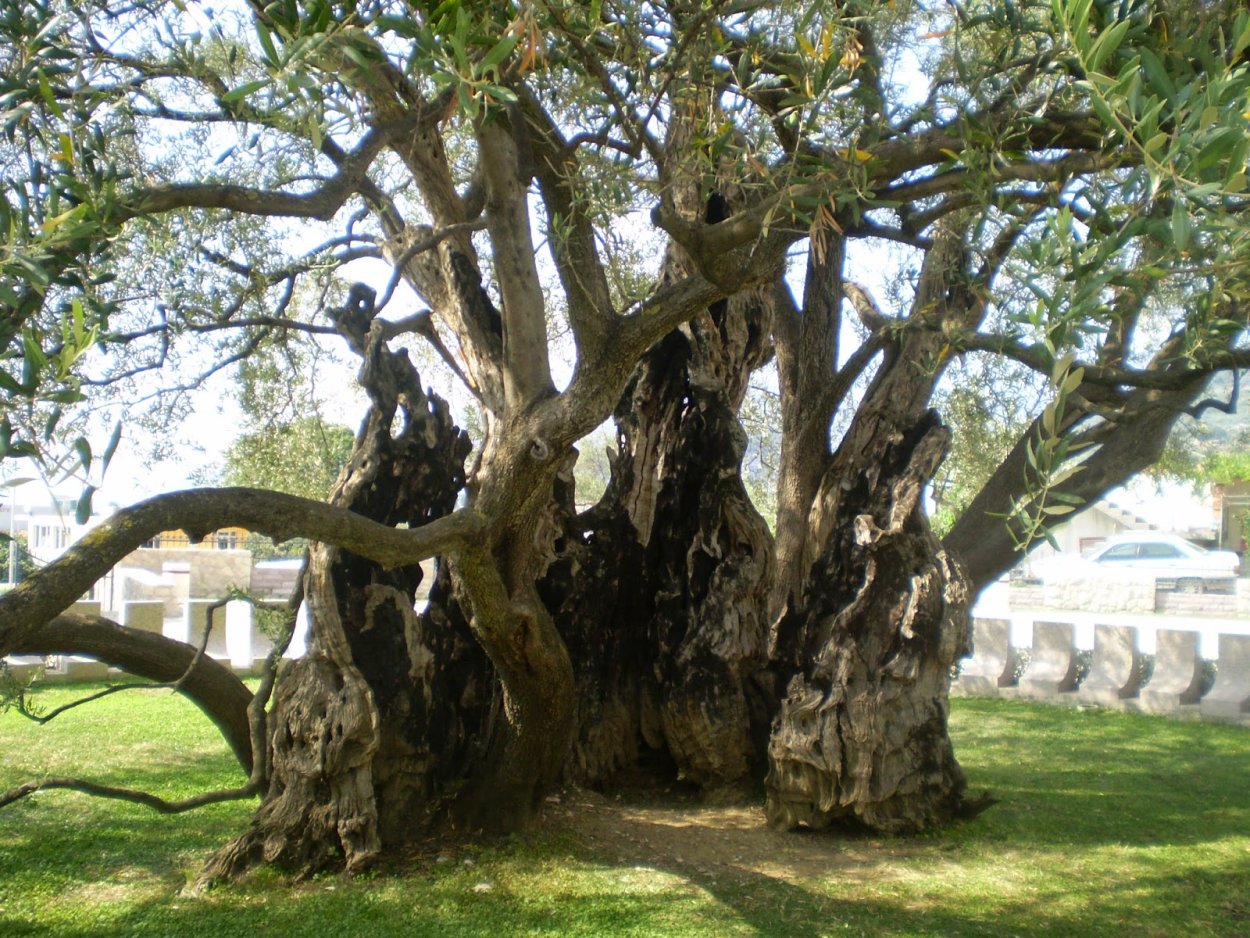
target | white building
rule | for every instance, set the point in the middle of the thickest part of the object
(47, 525)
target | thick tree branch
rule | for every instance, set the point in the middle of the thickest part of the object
(55, 587)
(211, 686)
(1158, 377)
(1033, 170)
(321, 203)
(450, 282)
(982, 538)
(601, 374)
(811, 387)
(571, 235)
(527, 371)
(866, 307)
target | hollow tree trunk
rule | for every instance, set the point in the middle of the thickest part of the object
(387, 712)
(600, 605)
(660, 591)
(862, 732)
(663, 605)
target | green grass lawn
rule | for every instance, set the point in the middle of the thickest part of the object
(1109, 824)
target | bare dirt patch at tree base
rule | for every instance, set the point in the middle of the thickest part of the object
(717, 840)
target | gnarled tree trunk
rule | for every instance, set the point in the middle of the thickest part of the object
(872, 623)
(389, 708)
(663, 604)
(862, 732)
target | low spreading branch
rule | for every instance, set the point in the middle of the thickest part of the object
(207, 683)
(132, 795)
(200, 511)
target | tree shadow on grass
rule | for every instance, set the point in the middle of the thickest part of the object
(642, 868)
(816, 884)
(66, 841)
(675, 900)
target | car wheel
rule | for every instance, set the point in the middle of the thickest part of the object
(1189, 584)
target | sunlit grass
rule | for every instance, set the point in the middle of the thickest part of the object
(1109, 824)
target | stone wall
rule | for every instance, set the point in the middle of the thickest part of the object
(1124, 592)
(1197, 604)
(213, 572)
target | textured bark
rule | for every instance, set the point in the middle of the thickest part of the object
(375, 725)
(665, 585)
(871, 624)
(862, 736)
(663, 604)
(807, 360)
(528, 745)
(601, 608)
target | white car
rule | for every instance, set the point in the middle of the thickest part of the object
(1176, 563)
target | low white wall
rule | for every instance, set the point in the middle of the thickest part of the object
(1224, 641)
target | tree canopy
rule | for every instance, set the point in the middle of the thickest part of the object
(624, 210)
(303, 457)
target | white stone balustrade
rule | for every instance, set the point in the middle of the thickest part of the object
(1115, 671)
(1229, 697)
(74, 667)
(1052, 661)
(993, 661)
(197, 612)
(146, 615)
(1186, 648)
(1177, 679)
(1119, 642)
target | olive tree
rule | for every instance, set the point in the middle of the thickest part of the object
(1065, 181)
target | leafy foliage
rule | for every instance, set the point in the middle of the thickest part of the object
(23, 564)
(121, 155)
(984, 428)
(1226, 467)
(302, 457)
